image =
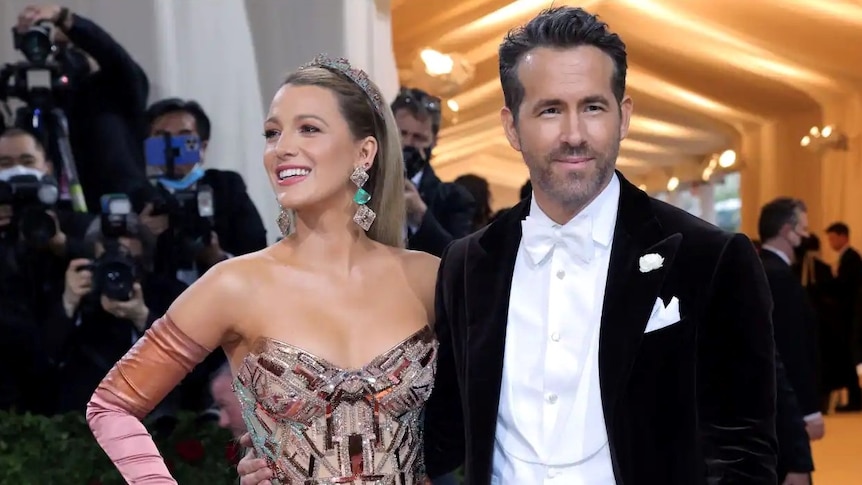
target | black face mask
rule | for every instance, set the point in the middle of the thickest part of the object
(415, 160)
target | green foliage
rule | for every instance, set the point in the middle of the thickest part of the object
(61, 450)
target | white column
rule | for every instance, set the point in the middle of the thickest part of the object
(706, 193)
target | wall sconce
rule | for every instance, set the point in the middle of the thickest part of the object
(719, 161)
(819, 140)
(672, 184)
(444, 74)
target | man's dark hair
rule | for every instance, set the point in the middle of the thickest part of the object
(173, 105)
(15, 132)
(420, 104)
(774, 215)
(559, 28)
(839, 228)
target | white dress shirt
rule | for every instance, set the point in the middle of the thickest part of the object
(550, 422)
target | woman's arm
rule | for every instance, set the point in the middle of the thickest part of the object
(198, 322)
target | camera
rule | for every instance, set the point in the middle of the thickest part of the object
(115, 271)
(43, 76)
(31, 197)
(187, 203)
(190, 217)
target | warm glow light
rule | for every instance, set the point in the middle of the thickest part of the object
(707, 173)
(814, 131)
(827, 130)
(453, 105)
(642, 187)
(672, 184)
(727, 158)
(436, 63)
(806, 140)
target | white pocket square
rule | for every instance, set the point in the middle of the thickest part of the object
(663, 316)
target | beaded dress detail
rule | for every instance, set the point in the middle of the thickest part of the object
(317, 424)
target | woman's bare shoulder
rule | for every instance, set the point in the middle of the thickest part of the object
(420, 264)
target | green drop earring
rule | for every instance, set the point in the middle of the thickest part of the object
(364, 216)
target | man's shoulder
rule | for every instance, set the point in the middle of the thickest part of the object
(226, 180)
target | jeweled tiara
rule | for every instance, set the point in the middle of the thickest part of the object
(358, 76)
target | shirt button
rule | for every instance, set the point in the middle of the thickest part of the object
(561, 274)
(555, 337)
(552, 398)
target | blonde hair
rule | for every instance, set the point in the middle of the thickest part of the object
(386, 175)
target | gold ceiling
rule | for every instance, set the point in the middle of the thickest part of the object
(701, 73)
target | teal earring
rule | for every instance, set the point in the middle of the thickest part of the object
(364, 216)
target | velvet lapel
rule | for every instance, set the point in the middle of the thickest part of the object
(488, 280)
(630, 293)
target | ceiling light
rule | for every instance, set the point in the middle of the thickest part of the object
(436, 63)
(453, 105)
(672, 184)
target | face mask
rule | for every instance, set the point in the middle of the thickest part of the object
(190, 179)
(8, 173)
(415, 160)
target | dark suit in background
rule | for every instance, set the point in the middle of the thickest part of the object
(846, 288)
(794, 323)
(690, 404)
(449, 215)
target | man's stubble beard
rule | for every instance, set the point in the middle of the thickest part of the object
(577, 189)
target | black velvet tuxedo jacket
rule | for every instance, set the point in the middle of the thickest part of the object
(691, 403)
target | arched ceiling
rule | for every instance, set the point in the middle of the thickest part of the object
(700, 73)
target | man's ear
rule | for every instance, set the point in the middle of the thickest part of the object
(510, 126)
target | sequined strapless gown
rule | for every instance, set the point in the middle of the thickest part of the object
(318, 424)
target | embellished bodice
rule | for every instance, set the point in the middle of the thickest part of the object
(317, 424)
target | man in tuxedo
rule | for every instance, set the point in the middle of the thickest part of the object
(591, 334)
(846, 290)
(782, 226)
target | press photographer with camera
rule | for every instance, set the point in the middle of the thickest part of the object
(109, 300)
(202, 216)
(99, 89)
(30, 209)
(437, 212)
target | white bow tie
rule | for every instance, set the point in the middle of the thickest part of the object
(540, 239)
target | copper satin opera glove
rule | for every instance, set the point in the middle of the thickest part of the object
(133, 387)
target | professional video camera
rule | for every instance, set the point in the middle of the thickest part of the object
(43, 82)
(30, 197)
(115, 271)
(187, 203)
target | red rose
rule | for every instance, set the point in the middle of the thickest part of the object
(232, 452)
(191, 451)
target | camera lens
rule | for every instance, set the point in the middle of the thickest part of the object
(36, 43)
(117, 281)
(37, 227)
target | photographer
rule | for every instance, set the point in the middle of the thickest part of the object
(437, 212)
(107, 304)
(236, 227)
(21, 154)
(104, 106)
